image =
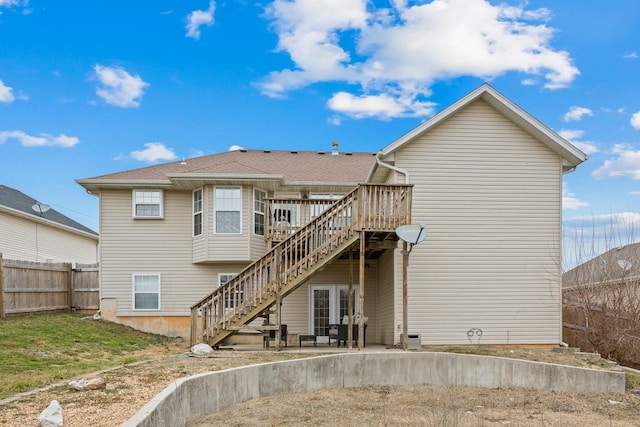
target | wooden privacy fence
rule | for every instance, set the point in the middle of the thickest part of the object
(29, 287)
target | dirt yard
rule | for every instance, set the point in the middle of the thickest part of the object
(130, 387)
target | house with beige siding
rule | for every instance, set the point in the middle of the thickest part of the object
(32, 231)
(209, 246)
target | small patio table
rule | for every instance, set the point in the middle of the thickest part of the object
(307, 338)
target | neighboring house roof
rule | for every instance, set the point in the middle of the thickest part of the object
(572, 156)
(617, 264)
(278, 167)
(18, 203)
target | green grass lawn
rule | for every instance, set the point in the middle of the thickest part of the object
(42, 349)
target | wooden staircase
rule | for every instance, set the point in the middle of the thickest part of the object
(289, 264)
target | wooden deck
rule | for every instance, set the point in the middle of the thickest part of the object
(370, 212)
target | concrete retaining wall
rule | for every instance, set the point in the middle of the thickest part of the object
(195, 396)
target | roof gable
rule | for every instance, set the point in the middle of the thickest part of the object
(572, 156)
(17, 201)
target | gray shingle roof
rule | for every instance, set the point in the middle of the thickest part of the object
(311, 166)
(19, 201)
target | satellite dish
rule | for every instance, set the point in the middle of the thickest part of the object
(40, 208)
(412, 233)
(625, 265)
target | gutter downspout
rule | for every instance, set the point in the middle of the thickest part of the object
(393, 168)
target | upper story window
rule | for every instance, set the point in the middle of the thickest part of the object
(146, 291)
(227, 206)
(147, 204)
(197, 212)
(258, 211)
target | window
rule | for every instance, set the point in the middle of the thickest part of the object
(197, 212)
(227, 207)
(231, 300)
(258, 212)
(146, 292)
(147, 203)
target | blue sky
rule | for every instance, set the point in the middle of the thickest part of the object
(88, 88)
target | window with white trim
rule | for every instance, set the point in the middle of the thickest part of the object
(231, 299)
(147, 204)
(258, 211)
(146, 291)
(197, 212)
(227, 206)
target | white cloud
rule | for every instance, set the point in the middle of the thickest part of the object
(618, 223)
(38, 141)
(402, 50)
(335, 120)
(154, 151)
(9, 3)
(119, 88)
(632, 55)
(198, 18)
(570, 201)
(576, 113)
(5, 93)
(572, 136)
(626, 164)
(635, 120)
(383, 106)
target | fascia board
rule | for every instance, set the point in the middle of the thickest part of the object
(96, 184)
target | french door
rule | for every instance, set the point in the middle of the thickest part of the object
(329, 304)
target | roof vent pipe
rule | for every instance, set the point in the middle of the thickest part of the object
(335, 151)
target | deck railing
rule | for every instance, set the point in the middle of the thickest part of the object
(368, 207)
(286, 216)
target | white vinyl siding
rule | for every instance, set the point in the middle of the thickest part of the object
(147, 204)
(295, 307)
(386, 299)
(146, 291)
(490, 195)
(162, 247)
(227, 208)
(27, 240)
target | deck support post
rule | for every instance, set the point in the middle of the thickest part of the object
(350, 301)
(361, 316)
(405, 296)
(279, 320)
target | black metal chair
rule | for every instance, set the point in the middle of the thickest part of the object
(343, 332)
(333, 333)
